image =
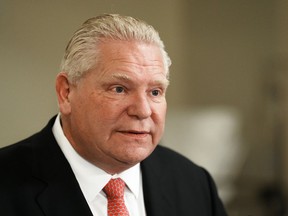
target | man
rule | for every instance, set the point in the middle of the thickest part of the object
(111, 96)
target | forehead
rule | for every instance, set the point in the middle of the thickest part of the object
(132, 54)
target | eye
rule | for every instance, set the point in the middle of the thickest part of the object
(119, 89)
(155, 92)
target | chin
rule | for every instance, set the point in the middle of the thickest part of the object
(137, 155)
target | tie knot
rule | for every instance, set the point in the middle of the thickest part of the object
(115, 188)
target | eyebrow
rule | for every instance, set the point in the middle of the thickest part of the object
(120, 76)
(124, 77)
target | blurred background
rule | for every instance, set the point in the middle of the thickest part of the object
(228, 98)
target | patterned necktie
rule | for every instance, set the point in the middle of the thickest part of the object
(115, 195)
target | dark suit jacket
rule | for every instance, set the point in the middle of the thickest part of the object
(37, 180)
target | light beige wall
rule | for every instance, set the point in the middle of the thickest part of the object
(282, 51)
(224, 58)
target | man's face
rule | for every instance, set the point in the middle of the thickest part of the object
(116, 112)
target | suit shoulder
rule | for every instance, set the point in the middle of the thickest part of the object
(27, 143)
(20, 153)
(13, 150)
(15, 158)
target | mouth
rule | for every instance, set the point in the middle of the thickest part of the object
(135, 133)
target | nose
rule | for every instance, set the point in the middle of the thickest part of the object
(140, 107)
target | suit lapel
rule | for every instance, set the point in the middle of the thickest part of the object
(63, 198)
(57, 190)
(157, 201)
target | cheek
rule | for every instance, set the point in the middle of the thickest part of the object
(161, 113)
(112, 109)
(102, 117)
(159, 120)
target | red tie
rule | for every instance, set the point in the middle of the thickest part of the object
(115, 195)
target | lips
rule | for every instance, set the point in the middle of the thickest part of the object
(135, 133)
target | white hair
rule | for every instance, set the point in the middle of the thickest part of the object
(82, 51)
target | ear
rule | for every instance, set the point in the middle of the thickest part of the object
(63, 88)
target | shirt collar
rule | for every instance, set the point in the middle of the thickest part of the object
(91, 178)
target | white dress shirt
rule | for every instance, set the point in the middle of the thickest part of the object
(92, 179)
